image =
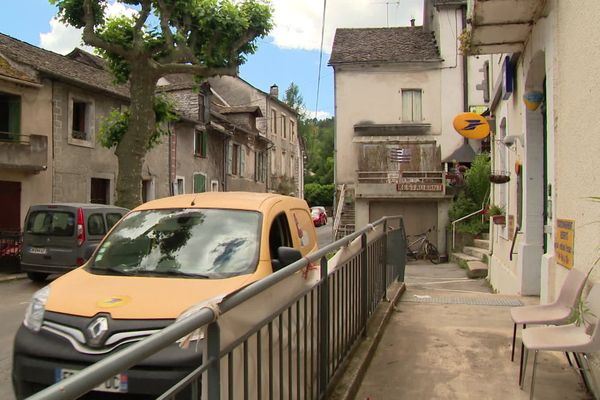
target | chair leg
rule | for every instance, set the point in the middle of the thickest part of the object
(582, 373)
(522, 349)
(512, 355)
(523, 368)
(569, 359)
(533, 375)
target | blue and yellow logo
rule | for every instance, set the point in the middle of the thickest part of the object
(113, 302)
(471, 125)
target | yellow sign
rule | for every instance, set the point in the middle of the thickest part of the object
(564, 244)
(114, 301)
(471, 125)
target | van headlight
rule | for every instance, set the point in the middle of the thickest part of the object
(34, 315)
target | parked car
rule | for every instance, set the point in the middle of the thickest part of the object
(60, 237)
(159, 261)
(319, 216)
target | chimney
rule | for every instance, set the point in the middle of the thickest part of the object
(412, 22)
(274, 91)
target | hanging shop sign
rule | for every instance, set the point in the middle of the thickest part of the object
(533, 99)
(564, 243)
(471, 125)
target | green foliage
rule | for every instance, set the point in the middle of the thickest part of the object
(493, 209)
(464, 205)
(318, 141)
(115, 126)
(317, 194)
(294, 99)
(477, 178)
(71, 12)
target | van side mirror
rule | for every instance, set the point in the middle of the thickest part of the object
(287, 256)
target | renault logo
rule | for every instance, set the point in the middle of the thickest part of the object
(96, 331)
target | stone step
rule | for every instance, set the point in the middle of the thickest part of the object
(476, 252)
(460, 258)
(477, 269)
(481, 243)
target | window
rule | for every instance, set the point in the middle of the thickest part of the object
(214, 186)
(259, 173)
(53, 223)
(284, 126)
(180, 185)
(411, 105)
(292, 131)
(10, 116)
(235, 160)
(95, 225)
(274, 120)
(200, 143)
(81, 119)
(292, 169)
(279, 235)
(148, 190)
(283, 163)
(100, 191)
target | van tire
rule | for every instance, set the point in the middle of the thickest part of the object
(37, 276)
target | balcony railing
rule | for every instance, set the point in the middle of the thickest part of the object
(23, 152)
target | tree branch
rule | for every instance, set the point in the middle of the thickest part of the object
(141, 20)
(165, 14)
(200, 70)
(91, 38)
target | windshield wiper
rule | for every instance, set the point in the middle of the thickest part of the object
(116, 270)
(169, 272)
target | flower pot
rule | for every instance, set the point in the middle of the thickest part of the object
(499, 178)
(499, 219)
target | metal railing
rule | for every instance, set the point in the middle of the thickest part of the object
(478, 212)
(296, 351)
(338, 211)
(14, 137)
(10, 250)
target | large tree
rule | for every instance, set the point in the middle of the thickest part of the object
(200, 37)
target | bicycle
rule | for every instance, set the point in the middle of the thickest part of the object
(422, 248)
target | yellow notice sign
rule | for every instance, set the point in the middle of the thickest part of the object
(564, 245)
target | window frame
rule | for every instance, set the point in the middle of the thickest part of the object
(413, 117)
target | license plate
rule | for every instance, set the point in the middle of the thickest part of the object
(116, 384)
(37, 250)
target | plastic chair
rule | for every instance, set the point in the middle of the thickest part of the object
(565, 338)
(555, 313)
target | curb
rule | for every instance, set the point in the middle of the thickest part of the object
(12, 277)
(348, 383)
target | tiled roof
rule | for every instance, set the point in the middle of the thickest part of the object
(9, 70)
(59, 66)
(384, 45)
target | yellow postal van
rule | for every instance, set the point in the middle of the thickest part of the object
(157, 262)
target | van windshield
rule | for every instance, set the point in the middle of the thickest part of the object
(51, 223)
(210, 243)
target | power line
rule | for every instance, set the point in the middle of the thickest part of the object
(320, 56)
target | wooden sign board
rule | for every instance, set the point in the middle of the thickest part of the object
(564, 244)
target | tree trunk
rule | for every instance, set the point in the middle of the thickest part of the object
(131, 150)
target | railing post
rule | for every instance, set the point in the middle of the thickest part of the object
(324, 332)
(364, 282)
(213, 350)
(384, 260)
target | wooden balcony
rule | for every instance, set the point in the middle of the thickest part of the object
(23, 152)
(401, 184)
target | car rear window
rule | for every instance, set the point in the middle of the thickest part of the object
(211, 243)
(50, 222)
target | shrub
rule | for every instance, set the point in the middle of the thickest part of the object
(317, 194)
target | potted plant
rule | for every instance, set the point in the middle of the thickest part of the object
(499, 177)
(496, 214)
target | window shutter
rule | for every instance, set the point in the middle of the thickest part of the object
(417, 114)
(14, 115)
(256, 166)
(242, 160)
(204, 142)
(229, 157)
(199, 183)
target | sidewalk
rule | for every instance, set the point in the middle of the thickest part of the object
(449, 337)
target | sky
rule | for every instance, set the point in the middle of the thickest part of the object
(291, 52)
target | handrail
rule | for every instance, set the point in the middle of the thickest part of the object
(338, 211)
(485, 201)
(113, 364)
(514, 240)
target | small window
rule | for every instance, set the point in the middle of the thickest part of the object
(95, 225)
(200, 143)
(214, 186)
(411, 105)
(292, 126)
(100, 191)
(284, 126)
(111, 219)
(10, 116)
(235, 159)
(79, 121)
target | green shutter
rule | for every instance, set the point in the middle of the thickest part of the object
(14, 114)
(242, 160)
(199, 183)
(229, 157)
(204, 142)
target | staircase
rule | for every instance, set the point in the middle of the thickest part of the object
(344, 217)
(474, 258)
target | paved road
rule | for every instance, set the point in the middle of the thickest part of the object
(325, 233)
(15, 296)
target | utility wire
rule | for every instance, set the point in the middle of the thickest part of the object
(320, 57)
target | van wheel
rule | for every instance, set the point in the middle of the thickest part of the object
(37, 276)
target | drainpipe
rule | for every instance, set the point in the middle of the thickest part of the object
(465, 70)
